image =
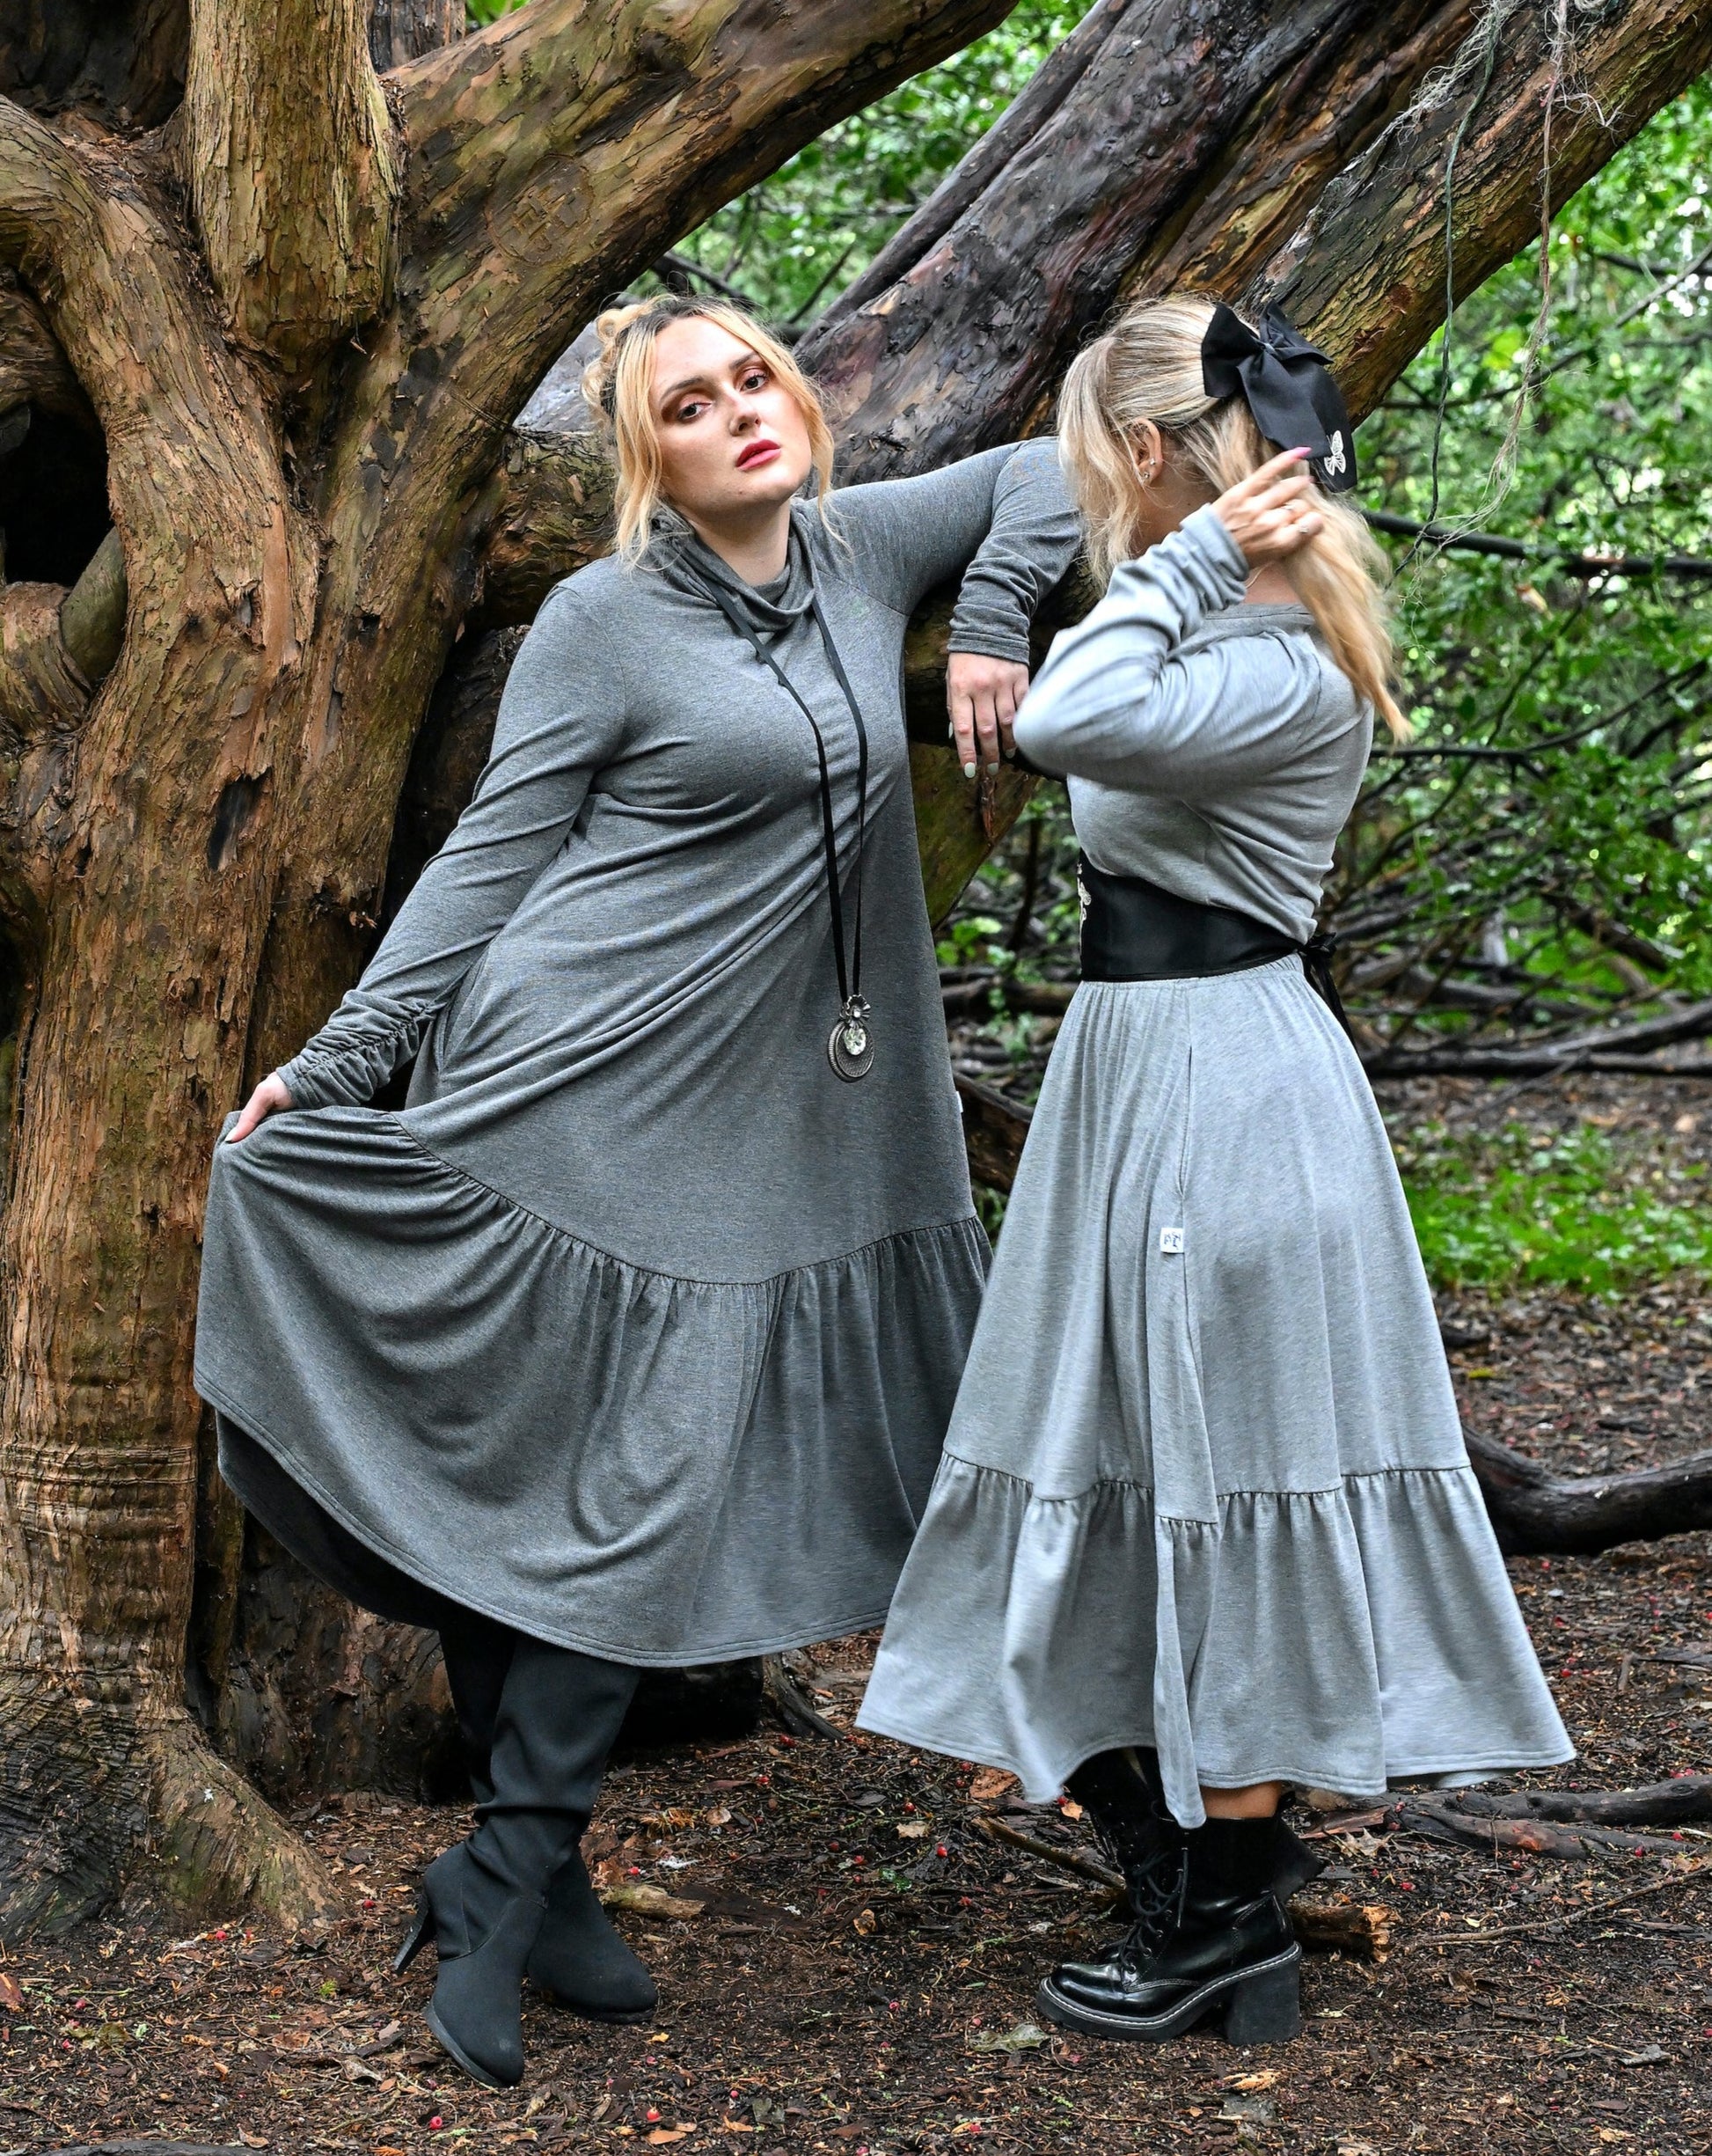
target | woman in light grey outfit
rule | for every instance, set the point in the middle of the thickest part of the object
(1205, 1523)
(632, 1339)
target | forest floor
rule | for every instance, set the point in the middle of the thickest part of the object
(858, 1977)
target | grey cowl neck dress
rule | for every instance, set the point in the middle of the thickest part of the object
(1207, 1491)
(637, 1328)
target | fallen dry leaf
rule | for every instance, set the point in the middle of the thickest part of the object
(661, 2135)
(11, 1996)
(992, 1782)
(1026, 2036)
(1267, 2079)
(913, 1831)
(865, 1923)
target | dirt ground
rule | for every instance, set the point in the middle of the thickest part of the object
(861, 1975)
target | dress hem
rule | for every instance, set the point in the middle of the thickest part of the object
(628, 1655)
(899, 1732)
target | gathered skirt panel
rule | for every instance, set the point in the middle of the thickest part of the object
(1205, 1486)
(653, 1469)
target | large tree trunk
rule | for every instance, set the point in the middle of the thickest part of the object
(193, 856)
(304, 401)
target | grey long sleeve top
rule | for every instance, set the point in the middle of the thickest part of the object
(577, 707)
(1211, 745)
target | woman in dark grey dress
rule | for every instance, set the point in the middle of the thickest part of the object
(632, 1339)
(1206, 1524)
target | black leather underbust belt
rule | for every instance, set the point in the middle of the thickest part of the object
(1132, 930)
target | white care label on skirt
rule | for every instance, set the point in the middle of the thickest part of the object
(1171, 1242)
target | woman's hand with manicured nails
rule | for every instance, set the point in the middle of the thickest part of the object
(982, 695)
(268, 1095)
(1271, 512)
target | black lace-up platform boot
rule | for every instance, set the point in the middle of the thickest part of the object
(1124, 1800)
(579, 1960)
(483, 1902)
(1211, 1942)
(1122, 1797)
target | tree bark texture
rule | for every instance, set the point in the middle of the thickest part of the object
(304, 387)
(289, 165)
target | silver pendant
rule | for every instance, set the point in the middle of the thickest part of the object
(850, 1046)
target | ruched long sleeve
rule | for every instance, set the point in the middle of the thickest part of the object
(1005, 519)
(1118, 701)
(560, 720)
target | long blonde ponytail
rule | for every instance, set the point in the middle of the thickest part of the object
(1147, 366)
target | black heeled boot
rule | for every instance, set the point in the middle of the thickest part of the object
(483, 1904)
(1213, 1941)
(579, 1960)
(1123, 1797)
(1124, 1800)
(483, 1931)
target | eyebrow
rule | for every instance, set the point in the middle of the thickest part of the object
(704, 381)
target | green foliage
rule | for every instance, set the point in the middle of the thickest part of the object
(1607, 822)
(791, 242)
(1577, 1208)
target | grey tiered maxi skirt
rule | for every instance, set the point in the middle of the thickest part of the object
(1205, 1486)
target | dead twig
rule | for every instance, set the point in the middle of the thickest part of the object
(1569, 1916)
(1075, 1860)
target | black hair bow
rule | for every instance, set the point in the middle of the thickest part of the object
(1287, 383)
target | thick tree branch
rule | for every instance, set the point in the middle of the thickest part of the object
(1364, 273)
(404, 30)
(92, 618)
(41, 686)
(1178, 121)
(125, 312)
(558, 149)
(552, 513)
(33, 368)
(289, 161)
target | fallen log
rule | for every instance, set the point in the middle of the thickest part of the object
(993, 1131)
(1527, 1837)
(1534, 1511)
(1658, 1804)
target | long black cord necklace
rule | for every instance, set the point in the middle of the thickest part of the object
(850, 1045)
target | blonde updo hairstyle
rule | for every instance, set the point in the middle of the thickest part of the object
(617, 387)
(1148, 367)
